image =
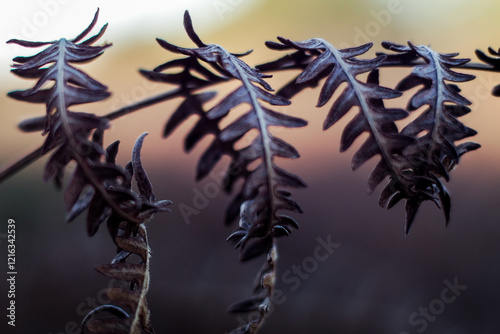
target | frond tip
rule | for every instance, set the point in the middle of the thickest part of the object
(71, 86)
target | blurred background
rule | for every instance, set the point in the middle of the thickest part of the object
(377, 280)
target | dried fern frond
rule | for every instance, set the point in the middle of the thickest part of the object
(261, 190)
(414, 175)
(97, 184)
(339, 66)
(262, 197)
(71, 86)
(437, 129)
(65, 129)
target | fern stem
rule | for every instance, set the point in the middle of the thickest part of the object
(268, 282)
(263, 131)
(135, 328)
(439, 81)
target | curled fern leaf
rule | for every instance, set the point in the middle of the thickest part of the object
(131, 312)
(80, 194)
(134, 314)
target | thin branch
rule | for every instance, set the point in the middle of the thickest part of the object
(25, 161)
(143, 104)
